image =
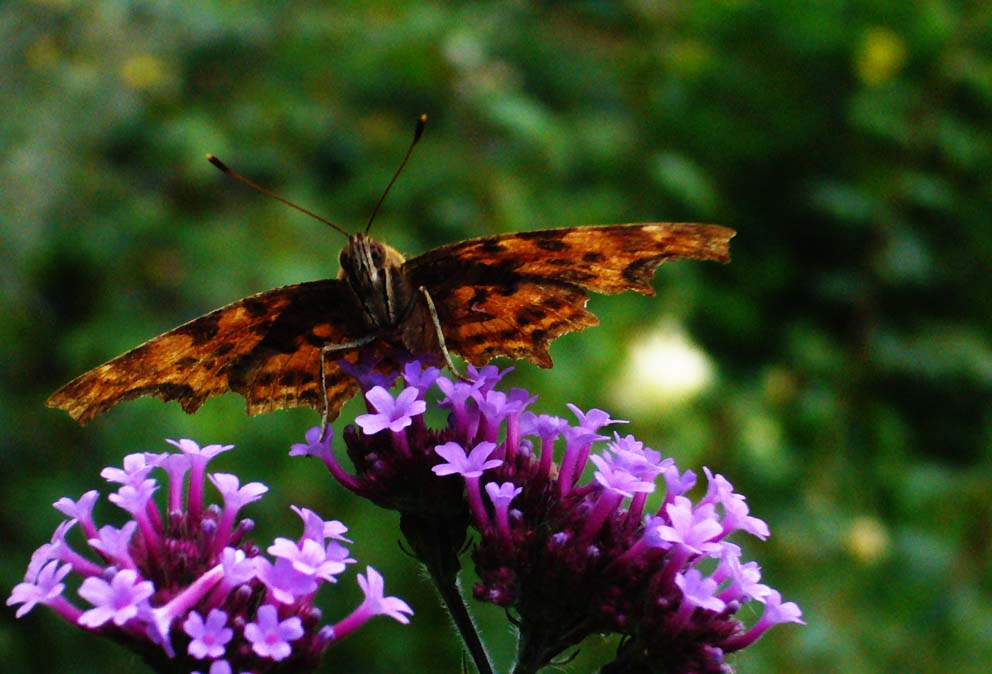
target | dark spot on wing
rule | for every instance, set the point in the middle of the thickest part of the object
(203, 329)
(314, 340)
(529, 316)
(552, 244)
(592, 256)
(311, 398)
(186, 362)
(295, 376)
(265, 379)
(509, 333)
(476, 339)
(507, 290)
(635, 241)
(639, 272)
(169, 391)
(491, 246)
(255, 306)
(576, 276)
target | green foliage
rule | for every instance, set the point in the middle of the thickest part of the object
(850, 144)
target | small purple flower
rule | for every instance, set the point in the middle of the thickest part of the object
(419, 377)
(238, 568)
(487, 377)
(736, 518)
(235, 498)
(198, 458)
(457, 395)
(115, 544)
(364, 372)
(317, 529)
(472, 464)
(545, 426)
(318, 445)
(594, 419)
(699, 591)
(374, 604)
(284, 583)
(44, 588)
(631, 454)
(269, 636)
(193, 450)
(744, 579)
(689, 529)
(394, 414)
(775, 613)
(81, 510)
(119, 600)
(309, 558)
(677, 483)
(501, 495)
(134, 497)
(135, 470)
(207, 637)
(615, 477)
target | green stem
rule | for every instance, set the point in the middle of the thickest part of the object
(455, 603)
(436, 544)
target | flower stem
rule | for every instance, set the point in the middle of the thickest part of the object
(455, 603)
(436, 545)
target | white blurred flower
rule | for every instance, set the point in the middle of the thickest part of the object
(664, 367)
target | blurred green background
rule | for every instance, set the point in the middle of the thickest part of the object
(838, 372)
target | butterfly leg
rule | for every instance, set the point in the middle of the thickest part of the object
(326, 350)
(440, 335)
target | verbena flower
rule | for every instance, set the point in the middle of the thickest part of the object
(185, 588)
(568, 555)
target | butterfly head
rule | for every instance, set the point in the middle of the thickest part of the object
(367, 257)
(372, 270)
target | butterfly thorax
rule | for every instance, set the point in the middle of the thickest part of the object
(373, 272)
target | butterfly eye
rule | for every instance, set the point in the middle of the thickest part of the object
(378, 255)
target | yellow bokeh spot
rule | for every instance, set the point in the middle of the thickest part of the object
(880, 56)
(144, 72)
(867, 540)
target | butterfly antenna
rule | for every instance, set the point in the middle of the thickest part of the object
(417, 133)
(258, 188)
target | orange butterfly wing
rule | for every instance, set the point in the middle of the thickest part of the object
(512, 294)
(265, 347)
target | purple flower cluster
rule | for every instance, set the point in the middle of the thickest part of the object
(569, 555)
(187, 590)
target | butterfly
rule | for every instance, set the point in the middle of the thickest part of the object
(503, 295)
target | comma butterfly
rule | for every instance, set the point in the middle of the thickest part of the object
(508, 294)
